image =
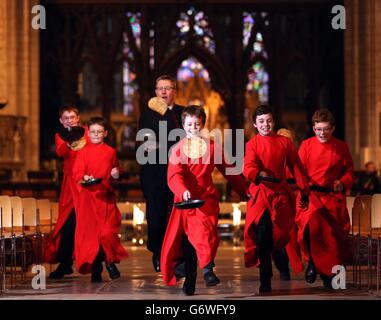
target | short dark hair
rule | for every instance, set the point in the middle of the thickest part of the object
(69, 108)
(194, 111)
(98, 120)
(323, 115)
(167, 77)
(262, 109)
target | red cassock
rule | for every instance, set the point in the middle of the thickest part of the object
(272, 154)
(98, 217)
(292, 248)
(327, 216)
(200, 225)
(68, 196)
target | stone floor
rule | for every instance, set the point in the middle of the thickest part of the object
(140, 282)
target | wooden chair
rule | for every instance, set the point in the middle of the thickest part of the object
(350, 202)
(54, 206)
(19, 247)
(44, 216)
(32, 227)
(361, 236)
(6, 236)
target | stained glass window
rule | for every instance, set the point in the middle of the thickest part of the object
(201, 29)
(258, 81)
(129, 83)
(258, 77)
(188, 69)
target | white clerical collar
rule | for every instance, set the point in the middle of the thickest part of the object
(170, 107)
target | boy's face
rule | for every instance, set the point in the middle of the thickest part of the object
(166, 90)
(264, 124)
(323, 131)
(192, 126)
(69, 119)
(97, 133)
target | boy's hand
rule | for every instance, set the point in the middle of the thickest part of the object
(115, 173)
(86, 177)
(186, 195)
(338, 186)
(263, 174)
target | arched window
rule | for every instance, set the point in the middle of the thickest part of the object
(129, 77)
(195, 24)
(258, 77)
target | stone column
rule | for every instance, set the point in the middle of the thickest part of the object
(19, 71)
(363, 80)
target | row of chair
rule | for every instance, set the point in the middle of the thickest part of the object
(365, 213)
(24, 222)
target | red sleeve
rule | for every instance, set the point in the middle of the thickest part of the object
(251, 165)
(296, 167)
(347, 178)
(79, 166)
(237, 182)
(303, 154)
(61, 147)
(175, 175)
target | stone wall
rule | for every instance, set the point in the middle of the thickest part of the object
(19, 79)
(363, 80)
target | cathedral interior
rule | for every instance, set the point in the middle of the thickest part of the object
(103, 56)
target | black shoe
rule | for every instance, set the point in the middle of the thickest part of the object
(180, 270)
(327, 281)
(310, 275)
(113, 271)
(211, 279)
(156, 263)
(60, 272)
(285, 276)
(189, 286)
(265, 286)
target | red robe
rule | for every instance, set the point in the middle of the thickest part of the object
(200, 225)
(293, 249)
(98, 217)
(327, 215)
(272, 154)
(68, 196)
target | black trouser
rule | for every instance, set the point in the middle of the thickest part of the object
(265, 247)
(190, 257)
(66, 246)
(159, 204)
(281, 260)
(97, 264)
(264, 241)
(307, 240)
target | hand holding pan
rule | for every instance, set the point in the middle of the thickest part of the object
(71, 134)
(91, 182)
(190, 204)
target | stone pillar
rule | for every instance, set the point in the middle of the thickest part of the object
(363, 80)
(19, 71)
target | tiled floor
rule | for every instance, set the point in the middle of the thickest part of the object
(140, 282)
